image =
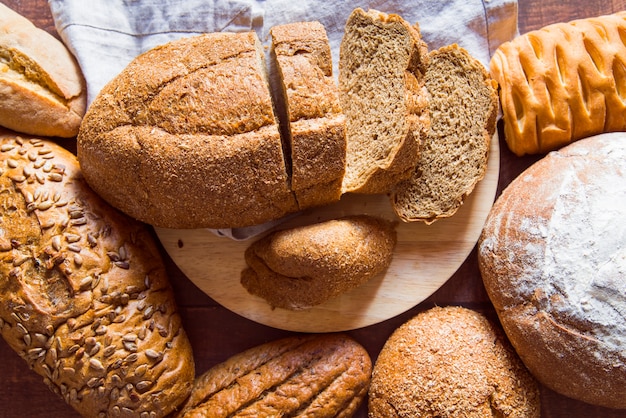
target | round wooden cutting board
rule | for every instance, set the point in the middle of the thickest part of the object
(425, 257)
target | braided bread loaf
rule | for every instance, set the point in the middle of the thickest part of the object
(562, 83)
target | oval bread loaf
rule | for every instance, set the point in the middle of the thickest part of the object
(301, 267)
(562, 83)
(84, 295)
(451, 362)
(553, 259)
(315, 375)
(42, 90)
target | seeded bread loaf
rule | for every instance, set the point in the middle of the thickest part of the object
(42, 90)
(85, 297)
(553, 259)
(463, 106)
(301, 267)
(382, 61)
(451, 362)
(313, 124)
(562, 83)
(315, 375)
(185, 137)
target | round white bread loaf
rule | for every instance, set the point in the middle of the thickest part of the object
(553, 259)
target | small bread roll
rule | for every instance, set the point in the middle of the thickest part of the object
(562, 83)
(305, 266)
(451, 362)
(42, 90)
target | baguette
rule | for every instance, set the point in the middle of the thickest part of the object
(42, 90)
(85, 297)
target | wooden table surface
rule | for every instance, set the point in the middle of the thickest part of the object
(217, 333)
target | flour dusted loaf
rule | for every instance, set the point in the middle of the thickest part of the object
(301, 267)
(451, 362)
(382, 61)
(42, 90)
(186, 137)
(315, 375)
(553, 259)
(562, 83)
(313, 125)
(463, 106)
(85, 300)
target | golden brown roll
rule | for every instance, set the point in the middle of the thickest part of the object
(85, 296)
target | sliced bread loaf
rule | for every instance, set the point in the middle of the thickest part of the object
(453, 158)
(381, 77)
(312, 123)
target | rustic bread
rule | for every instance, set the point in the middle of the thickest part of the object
(315, 375)
(186, 137)
(553, 259)
(382, 61)
(42, 90)
(85, 297)
(463, 106)
(313, 124)
(562, 83)
(451, 362)
(301, 267)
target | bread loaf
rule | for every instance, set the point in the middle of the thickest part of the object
(302, 267)
(463, 106)
(382, 61)
(315, 375)
(553, 259)
(85, 297)
(313, 124)
(562, 83)
(42, 90)
(185, 137)
(451, 362)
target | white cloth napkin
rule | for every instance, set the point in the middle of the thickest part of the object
(105, 35)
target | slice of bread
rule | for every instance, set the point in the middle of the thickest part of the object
(381, 77)
(312, 124)
(453, 158)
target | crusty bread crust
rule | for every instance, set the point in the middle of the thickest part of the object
(85, 296)
(301, 267)
(314, 126)
(562, 83)
(553, 261)
(451, 362)
(42, 90)
(317, 375)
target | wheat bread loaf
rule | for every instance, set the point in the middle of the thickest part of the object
(313, 124)
(563, 82)
(553, 260)
(85, 297)
(314, 375)
(382, 61)
(186, 137)
(450, 362)
(42, 90)
(463, 106)
(298, 268)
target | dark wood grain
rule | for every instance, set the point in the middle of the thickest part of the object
(217, 333)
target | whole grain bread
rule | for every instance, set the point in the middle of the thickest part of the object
(85, 297)
(463, 106)
(313, 124)
(382, 62)
(315, 375)
(301, 267)
(451, 362)
(186, 137)
(563, 82)
(42, 90)
(553, 260)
